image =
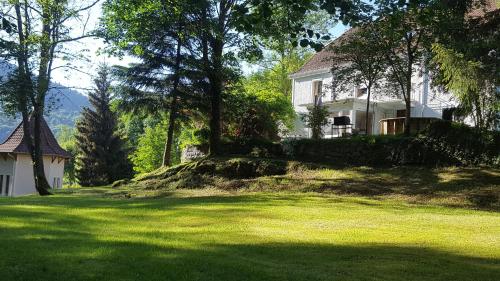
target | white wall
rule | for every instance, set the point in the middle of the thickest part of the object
(6, 169)
(24, 182)
(426, 101)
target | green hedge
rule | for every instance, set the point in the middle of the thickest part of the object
(465, 144)
(367, 150)
(252, 147)
(443, 143)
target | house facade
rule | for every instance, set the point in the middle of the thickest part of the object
(312, 84)
(16, 168)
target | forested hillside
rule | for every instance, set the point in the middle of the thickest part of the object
(65, 105)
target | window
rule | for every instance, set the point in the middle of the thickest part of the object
(54, 183)
(361, 92)
(7, 184)
(448, 114)
(317, 91)
(58, 183)
(1, 184)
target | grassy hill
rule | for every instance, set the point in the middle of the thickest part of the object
(468, 187)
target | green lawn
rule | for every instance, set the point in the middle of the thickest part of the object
(198, 235)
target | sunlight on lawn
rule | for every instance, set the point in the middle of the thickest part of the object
(257, 236)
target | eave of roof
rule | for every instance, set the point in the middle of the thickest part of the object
(16, 142)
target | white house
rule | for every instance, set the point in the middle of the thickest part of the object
(386, 115)
(16, 168)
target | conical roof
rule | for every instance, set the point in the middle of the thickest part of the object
(16, 142)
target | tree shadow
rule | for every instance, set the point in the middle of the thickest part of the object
(479, 187)
(69, 257)
(89, 238)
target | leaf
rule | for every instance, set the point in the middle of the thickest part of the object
(304, 43)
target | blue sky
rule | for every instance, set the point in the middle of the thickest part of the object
(80, 75)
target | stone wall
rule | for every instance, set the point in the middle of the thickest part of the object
(193, 152)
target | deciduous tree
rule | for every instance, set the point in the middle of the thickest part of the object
(35, 34)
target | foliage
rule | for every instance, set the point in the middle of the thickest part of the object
(131, 126)
(191, 134)
(211, 33)
(359, 60)
(469, 69)
(316, 118)
(147, 157)
(405, 31)
(468, 145)
(67, 140)
(257, 113)
(101, 158)
(157, 84)
(34, 34)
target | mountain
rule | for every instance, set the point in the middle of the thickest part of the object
(63, 107)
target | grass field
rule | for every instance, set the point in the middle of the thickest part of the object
(89, 234)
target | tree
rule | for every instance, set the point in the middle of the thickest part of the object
(260, 109)
(358, 60)
(474, 87)
(36, 34)
(160, 41)
(316, 118)
(406, 30)
(66, 139)
(146, 158)
(101, 157)
(467, 66)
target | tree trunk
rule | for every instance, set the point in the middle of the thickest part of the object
(167, 153)
(409, 73)
(368, 109)
(32, 135)
(216, 81)
(215, 118)
(41, 183)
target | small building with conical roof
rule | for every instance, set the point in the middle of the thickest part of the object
(16, 166)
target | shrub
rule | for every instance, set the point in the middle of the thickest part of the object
(252, 147)
(467, 145)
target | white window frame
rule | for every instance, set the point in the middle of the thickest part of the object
(314, 88)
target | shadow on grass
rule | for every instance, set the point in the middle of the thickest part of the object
(72, 238)
(481, 187)
(69, 256)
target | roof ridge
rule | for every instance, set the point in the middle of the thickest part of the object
(16, 143)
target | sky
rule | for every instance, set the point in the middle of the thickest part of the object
(80, 75)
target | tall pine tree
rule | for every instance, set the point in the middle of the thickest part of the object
(101, 158)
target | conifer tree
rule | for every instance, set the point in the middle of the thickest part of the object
(101, 158)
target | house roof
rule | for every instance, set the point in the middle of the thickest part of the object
(483, 8)
(16, 142)
(321, 61)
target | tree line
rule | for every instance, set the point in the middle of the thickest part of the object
(189, 55)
